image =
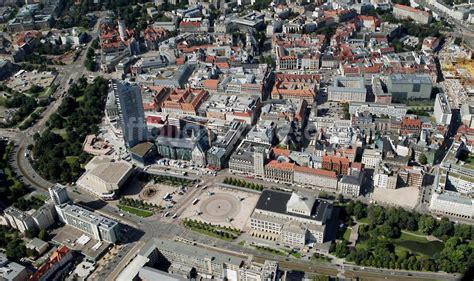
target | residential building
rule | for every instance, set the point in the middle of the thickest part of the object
(407, 12)
(295, 87)
(280, 171)
(128, 100)
(430, 44)
(411, 176)
(18, 219)
(183, 102)
(409, 86)
(37, 245)
(347, 89)
(220, 151)
(229, 108)
(392, 110)
(442, 110)
(12, 271)
(292, 219)
(340, 165)
(104, 176)
(411, 126)
(97, 226)
(249, 158)
(315, 177)
(371, 158)
(467, 115)
(350, 185)
(385, 180)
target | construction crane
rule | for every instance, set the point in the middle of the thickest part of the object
(204, 124)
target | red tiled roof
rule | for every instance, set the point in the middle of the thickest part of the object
(211, 84)
(281, 165)
(280, 151)
(319, 172)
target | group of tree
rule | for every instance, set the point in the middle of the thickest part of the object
(10, 187)
(243, 183)
(224, 232)
(77, 119)
(139, 204)
(24, 105)
(90, 63)
(25, 204)
(14, 246)
(384, 225)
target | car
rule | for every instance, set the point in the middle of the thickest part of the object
(121, 214)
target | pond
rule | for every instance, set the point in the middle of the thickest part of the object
(427, 248)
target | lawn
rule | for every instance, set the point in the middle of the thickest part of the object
(347, 234)
(61, 132)
(418, 244)
(71, 159)
(344, 233)
(136, 211)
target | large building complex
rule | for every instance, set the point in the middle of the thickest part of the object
(292, 219)
(104, 176)
(176, 260)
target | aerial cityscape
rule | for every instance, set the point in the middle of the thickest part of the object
(239, 140)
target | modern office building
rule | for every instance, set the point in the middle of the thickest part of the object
(128, 100)
(97, 226)
(409, 86)
(292, 219)
(347, 89)
(442, 110)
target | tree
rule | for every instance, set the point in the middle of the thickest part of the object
(422, 159)
(427, 224)
(43, 235)
(444, 230)
(359, 210)
(341, 250)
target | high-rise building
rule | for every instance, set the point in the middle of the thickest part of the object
(58, 194)
(132, 117)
